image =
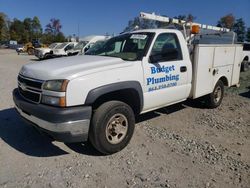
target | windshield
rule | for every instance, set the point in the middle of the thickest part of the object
(129, 47)
(81, 45)
(53, 45)
(95, 47)
(61, 46)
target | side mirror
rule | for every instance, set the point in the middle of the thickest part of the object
(155, 58)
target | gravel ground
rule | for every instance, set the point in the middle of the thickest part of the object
(184, 145)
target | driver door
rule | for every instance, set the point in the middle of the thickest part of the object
(165, 73)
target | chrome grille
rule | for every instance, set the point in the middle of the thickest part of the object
(30, 89)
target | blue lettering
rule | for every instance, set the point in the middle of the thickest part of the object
(153, 71)
(149, 80)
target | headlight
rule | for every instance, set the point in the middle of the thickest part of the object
(56, 85)
(55, 101)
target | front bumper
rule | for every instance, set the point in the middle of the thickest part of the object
(63, 124)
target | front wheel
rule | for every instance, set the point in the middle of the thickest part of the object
(214, 99)
(30, 51)
(112, 127)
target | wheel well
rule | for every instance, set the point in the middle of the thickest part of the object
(224, 80)
(246, 58)
(128, 96)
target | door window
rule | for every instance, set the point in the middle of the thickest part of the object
(69, 47)
(167, 48)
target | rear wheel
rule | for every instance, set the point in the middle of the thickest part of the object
(112, 127)
(214, 99)
(244, 66)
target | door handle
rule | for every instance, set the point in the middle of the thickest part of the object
(215, 71)
(183, 69)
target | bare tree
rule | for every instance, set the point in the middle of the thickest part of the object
(54, 27)
(227, 21)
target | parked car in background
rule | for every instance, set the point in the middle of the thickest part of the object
(44, 53)
(20, 49)
(85, 44)
(63, 49)
(78, 48)
(246, 55)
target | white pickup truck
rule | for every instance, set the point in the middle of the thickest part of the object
(86, 43)
(45, 53)
(63, 49)
(95, 97)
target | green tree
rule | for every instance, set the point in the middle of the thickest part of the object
(60, 37)
(2, 24)
(133, 24)
(18, 32)
(226, 21)
(53, 32)
(187, 18)
(36, 27)
(240, 28)
(190, 18)
(4, 27)
(248, 35)
(27, 22)
(139, 23)
(33, 28)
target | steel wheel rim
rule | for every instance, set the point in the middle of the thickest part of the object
(116, 129)
(217, 94)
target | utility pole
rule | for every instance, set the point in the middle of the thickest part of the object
(78, 31)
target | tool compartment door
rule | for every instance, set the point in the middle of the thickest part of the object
(237, 65)
(202, 68)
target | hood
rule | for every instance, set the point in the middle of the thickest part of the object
(43, 49)
(70, 67)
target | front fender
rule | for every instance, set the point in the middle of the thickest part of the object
(97, 92)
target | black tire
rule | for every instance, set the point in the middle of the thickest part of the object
(31, 51)
(101, 134)
(46, 56)
(214, 99)
(244, 66)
